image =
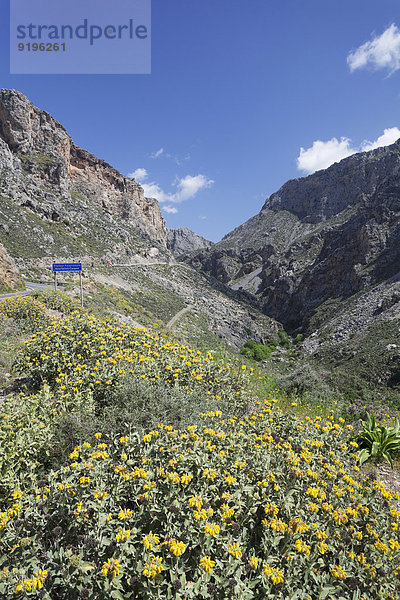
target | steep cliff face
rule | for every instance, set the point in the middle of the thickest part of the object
(42, 170)
(325, 236)
(182, 241)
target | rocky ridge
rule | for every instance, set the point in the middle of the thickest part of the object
(59, 202)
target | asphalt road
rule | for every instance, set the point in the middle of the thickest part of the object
(30, 287)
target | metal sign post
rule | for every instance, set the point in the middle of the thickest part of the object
(81, 286)
(70, 267)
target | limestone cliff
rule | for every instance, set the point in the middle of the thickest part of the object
(43, 171)
(59, 202)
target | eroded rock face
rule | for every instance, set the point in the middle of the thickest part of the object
(329, 235)
(9, 276)
(183, 241)
(43, 169)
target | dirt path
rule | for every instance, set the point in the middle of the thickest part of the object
(178, 315)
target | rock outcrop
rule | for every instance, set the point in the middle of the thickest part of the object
(329, 235)
(42, 170)
(182, 241)
(9, 276)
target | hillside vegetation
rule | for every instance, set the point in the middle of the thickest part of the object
(135, 466)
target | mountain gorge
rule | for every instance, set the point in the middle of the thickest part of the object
(323, 258)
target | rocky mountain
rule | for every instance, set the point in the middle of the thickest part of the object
(326, 236)
(322, 256)
(57, 200)
(182, 241)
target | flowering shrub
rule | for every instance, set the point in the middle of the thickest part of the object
(58, 301)
(267, 506)
(247, 505)
(26, 433)
(86, 361)
(29, 313)
(82, 354)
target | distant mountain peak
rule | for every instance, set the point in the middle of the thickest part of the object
(184, 241)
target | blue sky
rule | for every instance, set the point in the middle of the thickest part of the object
(237, 88)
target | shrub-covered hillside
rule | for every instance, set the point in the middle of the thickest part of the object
(137, 467)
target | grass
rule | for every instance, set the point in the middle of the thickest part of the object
(39, 158)
(106, 299)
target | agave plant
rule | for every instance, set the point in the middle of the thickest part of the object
(377, 442)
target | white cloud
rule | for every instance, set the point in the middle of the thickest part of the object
(322, 155)
(389, 136)
(153, 190)
(140, 175)
(170, 209)
(161, 152)
(187, 187)
(157, 154)
(382, 52)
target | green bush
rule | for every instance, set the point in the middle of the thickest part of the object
(28, 313)
(298, 339)
(60, 301)
(306, 379)
(257, 351)
(284, 339)
(27, 434)
(137, 404)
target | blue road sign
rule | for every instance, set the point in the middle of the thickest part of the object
(67, 267)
